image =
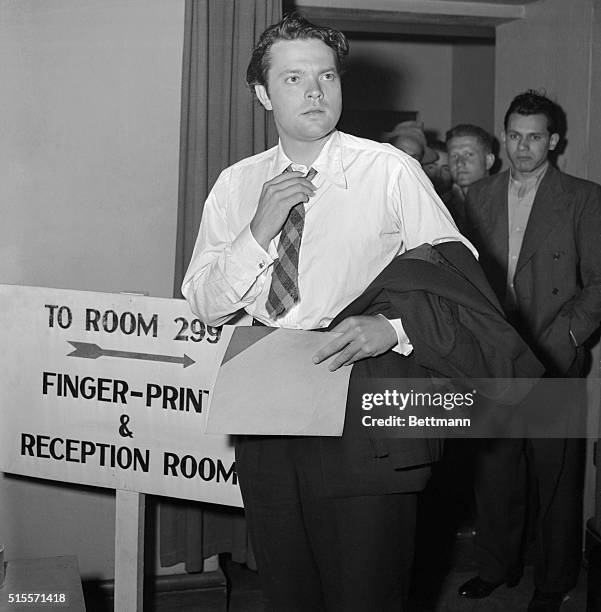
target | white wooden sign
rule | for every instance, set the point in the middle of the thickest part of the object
(111, 390)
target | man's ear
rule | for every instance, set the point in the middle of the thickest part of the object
(261, 93)
(490, 160)
(553, 141)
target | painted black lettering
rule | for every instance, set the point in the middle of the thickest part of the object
(170, 463)
(27, 444)
(92, 319)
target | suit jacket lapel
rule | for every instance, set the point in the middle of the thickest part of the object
(546, 213)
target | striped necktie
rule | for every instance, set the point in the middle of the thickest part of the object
(283, 293)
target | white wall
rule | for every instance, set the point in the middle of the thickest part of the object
(557, 39)
(89, 117)
(89, 148)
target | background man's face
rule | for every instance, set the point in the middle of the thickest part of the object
(304, 90)
(438, 172)
(468, 161)
(528, 142)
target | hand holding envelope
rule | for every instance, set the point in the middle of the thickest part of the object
(357, 338)
(268, 384)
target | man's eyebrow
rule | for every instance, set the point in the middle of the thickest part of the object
(527, 133)
(292, 70)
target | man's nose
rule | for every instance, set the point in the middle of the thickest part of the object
(522, 144)
(314, 91)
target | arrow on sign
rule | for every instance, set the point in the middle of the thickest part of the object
(87, 350)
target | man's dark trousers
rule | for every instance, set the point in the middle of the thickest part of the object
(316, 551)
(553, 470)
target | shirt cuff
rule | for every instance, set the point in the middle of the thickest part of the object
(404, 346)
(250, 257)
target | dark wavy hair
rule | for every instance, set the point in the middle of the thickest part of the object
(468, 129)
(532, 102)
(292, 27)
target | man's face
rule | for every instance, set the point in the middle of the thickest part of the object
(439, 173)
(468, 160)
(528, 142)
(304, 90)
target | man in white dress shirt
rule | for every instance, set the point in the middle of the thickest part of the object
(367, 203)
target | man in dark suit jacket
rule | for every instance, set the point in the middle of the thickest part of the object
(537, 231)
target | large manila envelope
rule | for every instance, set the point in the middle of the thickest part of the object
(268, 385)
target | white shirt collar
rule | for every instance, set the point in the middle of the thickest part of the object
(534, 179)
(328, 164)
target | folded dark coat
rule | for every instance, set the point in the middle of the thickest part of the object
(458, 331)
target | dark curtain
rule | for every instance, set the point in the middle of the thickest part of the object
(221, 123)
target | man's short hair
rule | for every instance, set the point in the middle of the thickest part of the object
(292, 27)
(532, 102)
(467, 129)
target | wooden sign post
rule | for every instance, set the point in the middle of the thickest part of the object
(129, 551)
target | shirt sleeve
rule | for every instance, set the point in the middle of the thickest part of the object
(227, 272)
(423, 216)
(423, 219)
